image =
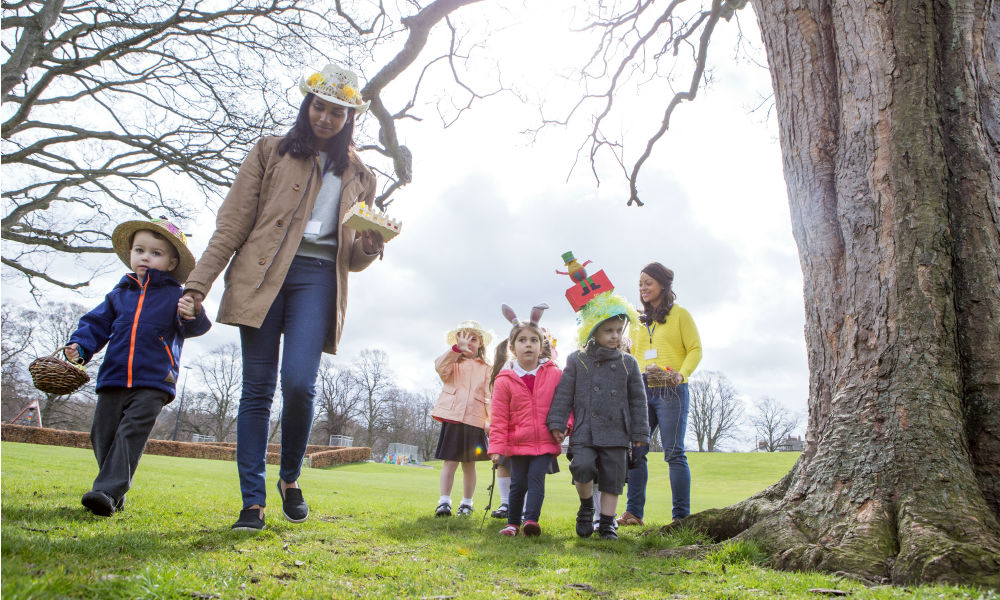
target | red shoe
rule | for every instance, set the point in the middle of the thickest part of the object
(531, 528)
(510, 531)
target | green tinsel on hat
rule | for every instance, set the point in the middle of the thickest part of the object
(601, 308)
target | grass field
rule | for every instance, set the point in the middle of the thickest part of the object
(371, 534)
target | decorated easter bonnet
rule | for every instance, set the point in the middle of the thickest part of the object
(335, 85)
(121, 239)
(593, 299)
(473, 326)
(603, 307)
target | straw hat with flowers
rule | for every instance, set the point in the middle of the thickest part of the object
(335, 85)
(121, 239)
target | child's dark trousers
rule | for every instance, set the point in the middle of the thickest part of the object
(123, 420)
(527, 474)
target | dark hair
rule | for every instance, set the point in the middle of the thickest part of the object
(159, 236)
(299, 140)
(664, 277)
(500, 355)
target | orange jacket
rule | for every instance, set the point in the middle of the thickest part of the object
(463, 398)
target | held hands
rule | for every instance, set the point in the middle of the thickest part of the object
(189, 305)
(558, 436)
(495, 458)
(371, 242)
(72, 353)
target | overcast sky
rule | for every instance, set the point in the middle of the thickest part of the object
(489, 213)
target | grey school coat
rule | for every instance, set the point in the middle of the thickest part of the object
(604, 391)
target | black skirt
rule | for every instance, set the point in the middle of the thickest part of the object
(462, 442)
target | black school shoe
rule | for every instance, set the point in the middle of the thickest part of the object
(293, 506)
(99, 503)
(585, 521)
(500, 513)
(443, 510)
(250, 520)
(606, 528)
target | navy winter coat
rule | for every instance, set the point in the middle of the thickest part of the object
(143, 331)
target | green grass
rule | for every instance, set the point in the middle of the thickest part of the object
(370, 535)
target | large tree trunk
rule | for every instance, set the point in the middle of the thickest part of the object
(889, 116)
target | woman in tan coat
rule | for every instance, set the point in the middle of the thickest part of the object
(280, 230)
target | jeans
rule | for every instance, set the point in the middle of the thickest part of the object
(668, 409)
(302, 311)
(123, 420)
(527, 474)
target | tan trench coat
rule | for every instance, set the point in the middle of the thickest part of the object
(262, 221)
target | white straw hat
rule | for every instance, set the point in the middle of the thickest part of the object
(474, 326)
(336, 85)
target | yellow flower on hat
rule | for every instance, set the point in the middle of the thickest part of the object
(349, 92)
(316, 79)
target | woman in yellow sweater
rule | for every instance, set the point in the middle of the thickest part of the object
(667, 346)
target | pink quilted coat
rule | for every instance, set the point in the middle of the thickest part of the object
(517, 423)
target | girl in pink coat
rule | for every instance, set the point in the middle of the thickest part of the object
(522, 395)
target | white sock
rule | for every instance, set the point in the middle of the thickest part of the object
(445, 500)
(467, 502)
(504, 489)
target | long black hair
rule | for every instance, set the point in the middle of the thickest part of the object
(299, 140)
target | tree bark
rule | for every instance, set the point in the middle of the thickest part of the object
(890, 130)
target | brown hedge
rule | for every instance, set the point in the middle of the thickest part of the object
(316, 456)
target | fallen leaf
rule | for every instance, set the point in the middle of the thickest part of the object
(829, 592)
(299, 563)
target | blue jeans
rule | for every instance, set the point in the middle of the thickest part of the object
(668, 409)
(302, 311)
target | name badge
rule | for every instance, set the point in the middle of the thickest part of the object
(650, 354)
(313, 227)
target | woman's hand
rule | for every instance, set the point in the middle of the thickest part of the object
(558, 436)
(189, 304)
(371, 242)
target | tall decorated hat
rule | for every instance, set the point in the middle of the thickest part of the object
(593, 299)
(121, 240)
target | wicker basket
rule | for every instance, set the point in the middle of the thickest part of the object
(57, 376)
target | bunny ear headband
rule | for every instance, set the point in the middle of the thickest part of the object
(536, 314)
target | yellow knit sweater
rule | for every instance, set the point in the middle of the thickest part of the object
(676, 342)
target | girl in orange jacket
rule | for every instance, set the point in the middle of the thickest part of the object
(463, 409)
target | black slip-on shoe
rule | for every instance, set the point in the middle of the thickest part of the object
(500, 513)
(99, 503)
(293, 506)
(607, 531)
(250, 520)
(585, 522)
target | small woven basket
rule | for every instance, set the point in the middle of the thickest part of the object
(57, 376)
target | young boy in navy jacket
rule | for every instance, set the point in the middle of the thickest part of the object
(143, 321)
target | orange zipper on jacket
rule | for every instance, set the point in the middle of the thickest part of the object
(167, 348)
(135, 327)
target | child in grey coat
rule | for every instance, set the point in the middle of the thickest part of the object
(602, 388)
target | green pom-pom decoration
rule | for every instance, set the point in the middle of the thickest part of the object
(601, 308)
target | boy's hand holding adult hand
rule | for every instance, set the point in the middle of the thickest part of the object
(189, 305)
(558, 436)
(72, 352)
